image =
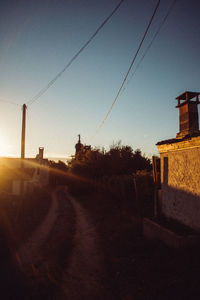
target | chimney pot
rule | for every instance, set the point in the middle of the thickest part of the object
(41, 152)
(188, 114)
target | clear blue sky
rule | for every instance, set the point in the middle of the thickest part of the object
(37, 38)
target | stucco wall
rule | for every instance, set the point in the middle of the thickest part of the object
(180, 178)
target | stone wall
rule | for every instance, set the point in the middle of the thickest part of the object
(180, 178)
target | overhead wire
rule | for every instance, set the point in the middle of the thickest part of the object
(44, 89)
(153, 39)
(9, 102)
(129, 69)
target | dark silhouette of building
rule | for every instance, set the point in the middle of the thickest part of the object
(40, 155)
(81, 149)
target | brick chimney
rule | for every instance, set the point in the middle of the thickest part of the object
(188, 114)
(41, 153)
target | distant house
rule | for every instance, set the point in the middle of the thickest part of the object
(180, 166)
(17, 174)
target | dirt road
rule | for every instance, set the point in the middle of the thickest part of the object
(62, 258)
(67, 257)
(84, 276)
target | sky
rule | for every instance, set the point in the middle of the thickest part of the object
(38, 38)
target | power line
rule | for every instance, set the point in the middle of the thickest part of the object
(9, 102)
(44, 89)
(129, 69)
(153, 39)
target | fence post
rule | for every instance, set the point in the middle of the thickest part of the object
(155, 179)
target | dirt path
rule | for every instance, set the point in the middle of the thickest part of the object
(84, 276)
(62, 257)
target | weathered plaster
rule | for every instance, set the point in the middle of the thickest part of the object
(180, 178)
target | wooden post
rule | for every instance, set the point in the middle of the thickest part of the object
(155, 179)
(155, 173)
(24, 107)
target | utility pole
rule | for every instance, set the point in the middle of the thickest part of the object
(24, 107)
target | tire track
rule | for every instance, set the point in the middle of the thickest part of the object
(84, 276)
(28, 253)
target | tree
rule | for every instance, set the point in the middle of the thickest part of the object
(118, 160)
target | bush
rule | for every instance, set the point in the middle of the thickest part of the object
(119, 160)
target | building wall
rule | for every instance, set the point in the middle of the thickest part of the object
(35, 172)
(180, 178)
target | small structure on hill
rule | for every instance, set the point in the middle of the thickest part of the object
(81, 149)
